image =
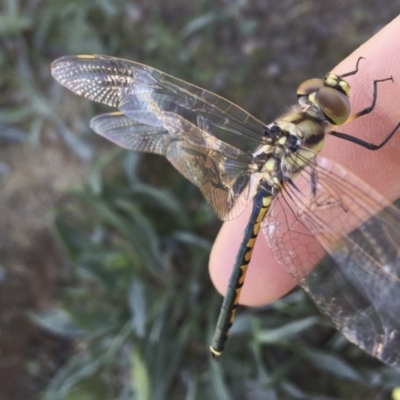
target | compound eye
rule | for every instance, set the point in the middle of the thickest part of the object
(334, 105)
(309, 86)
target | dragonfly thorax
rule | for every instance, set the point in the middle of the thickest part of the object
(292, 142)
(295, 139)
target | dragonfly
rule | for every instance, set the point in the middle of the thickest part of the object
(338, 237)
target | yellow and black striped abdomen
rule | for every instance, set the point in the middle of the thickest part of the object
(261, 204)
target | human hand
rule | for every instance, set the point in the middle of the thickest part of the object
(266, 280)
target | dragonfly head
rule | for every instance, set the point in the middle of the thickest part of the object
(330, 95)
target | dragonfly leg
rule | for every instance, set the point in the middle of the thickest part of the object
(354, 71)
(365, 111)
(368, 109)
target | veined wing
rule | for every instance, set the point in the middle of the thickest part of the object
(207, 138)
(222, 180)
(132, 86)
(332, 220)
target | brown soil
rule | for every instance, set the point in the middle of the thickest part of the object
(31, 263)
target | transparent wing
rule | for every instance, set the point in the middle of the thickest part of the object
(131, 134)
(330, 219)
(131, 86)
(207, 138)
(223, 181)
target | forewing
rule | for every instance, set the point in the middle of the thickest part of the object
(133, 86)
(330, 219)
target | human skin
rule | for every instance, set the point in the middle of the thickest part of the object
(266, 280)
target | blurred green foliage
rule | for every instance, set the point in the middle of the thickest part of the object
(138, 305)
(142, 310)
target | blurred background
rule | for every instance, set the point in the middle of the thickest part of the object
(104, 287)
